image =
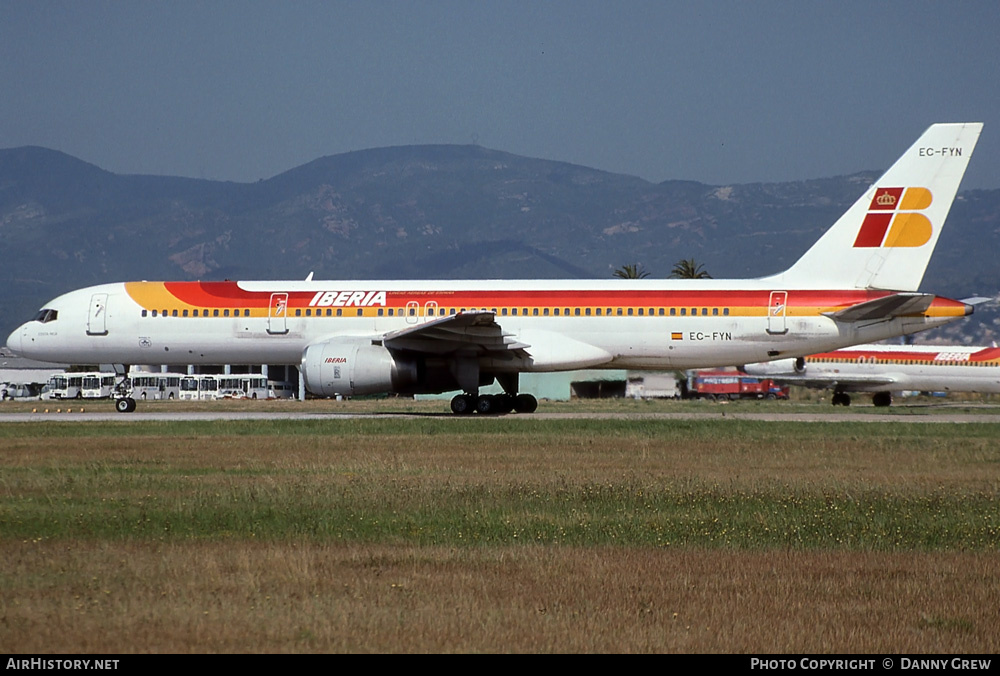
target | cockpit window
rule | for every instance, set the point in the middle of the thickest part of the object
(45, 316)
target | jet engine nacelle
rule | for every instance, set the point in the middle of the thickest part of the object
(355, 366)
(779, 367)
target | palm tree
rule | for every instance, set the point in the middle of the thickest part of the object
(631, 271)
(689, 269)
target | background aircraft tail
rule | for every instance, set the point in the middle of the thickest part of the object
(885, 240)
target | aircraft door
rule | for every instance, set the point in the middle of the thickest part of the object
(97, 317)
(277, 314)
(430, 310)
(776, 313)
(412, 312)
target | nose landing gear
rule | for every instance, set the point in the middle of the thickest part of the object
(125, 405)
(122, 394)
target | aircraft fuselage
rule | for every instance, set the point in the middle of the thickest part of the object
(565, 325)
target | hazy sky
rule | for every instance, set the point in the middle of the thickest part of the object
(718, 92)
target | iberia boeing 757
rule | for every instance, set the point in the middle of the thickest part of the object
(857, 284)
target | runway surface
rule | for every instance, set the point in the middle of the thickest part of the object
(920, 415)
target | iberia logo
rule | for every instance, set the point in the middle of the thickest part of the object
(894, 219)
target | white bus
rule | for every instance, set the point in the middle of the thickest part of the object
(199, 387)
(155, 386)
(244, 386)
(63, 386)
(97, 385)
(189, 388)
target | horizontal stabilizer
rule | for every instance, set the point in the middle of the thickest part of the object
(896, 305)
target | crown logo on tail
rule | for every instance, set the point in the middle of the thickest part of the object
(886, 199)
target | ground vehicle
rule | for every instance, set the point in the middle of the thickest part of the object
(733, 385)
(205, 387)
(199, 387)
(246, 385)
(97, 385)
(63, 386)
(20, 391)
(281, 389)
(156, 385)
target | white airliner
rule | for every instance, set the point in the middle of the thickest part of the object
(858, 283)
(884, 369)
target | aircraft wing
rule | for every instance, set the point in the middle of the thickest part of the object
(896, 305)
(476, 330)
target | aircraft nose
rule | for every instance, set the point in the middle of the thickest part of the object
(14, 341)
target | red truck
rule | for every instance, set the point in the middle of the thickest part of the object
(733, 385)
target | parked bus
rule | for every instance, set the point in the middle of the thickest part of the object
(199, 387)
(97, 385)
(244, 386)
(166, 386)
(63, 386)
(189, 388)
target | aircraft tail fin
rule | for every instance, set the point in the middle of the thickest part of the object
(885, 240)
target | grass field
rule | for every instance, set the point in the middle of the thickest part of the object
(513, 534)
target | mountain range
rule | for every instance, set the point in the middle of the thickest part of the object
(434, 212)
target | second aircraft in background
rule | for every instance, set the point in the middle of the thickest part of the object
(884, 369)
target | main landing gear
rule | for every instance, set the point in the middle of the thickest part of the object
(841, 399)
(467, 374)
(465, 404)
(879, 399)
(882, 399)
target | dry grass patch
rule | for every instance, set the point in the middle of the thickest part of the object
(499, 536)
(103, 597)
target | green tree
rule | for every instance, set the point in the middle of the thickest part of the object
(687, 268)
(631, 271)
